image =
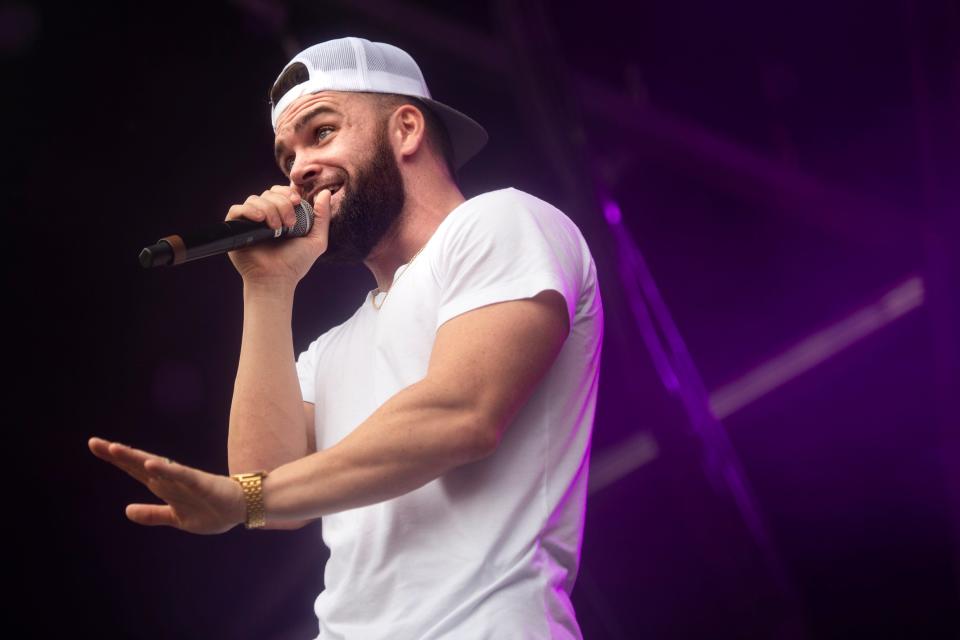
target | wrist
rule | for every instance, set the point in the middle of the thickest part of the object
(238, 510)
(253, 513)
(274, 289)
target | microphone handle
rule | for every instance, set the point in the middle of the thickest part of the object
(220, 238)
(212, 240)
(177, 249)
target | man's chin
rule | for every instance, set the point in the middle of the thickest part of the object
(340, 248)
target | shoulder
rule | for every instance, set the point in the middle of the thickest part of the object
(507, 211)
(507, 235)
(509, 198)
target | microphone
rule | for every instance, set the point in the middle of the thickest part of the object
(221, 238)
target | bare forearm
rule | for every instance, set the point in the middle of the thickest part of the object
(266, 416)
(413, 438)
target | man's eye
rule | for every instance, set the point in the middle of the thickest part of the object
(288, 165)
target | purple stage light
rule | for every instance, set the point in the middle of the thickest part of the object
(817, 348)
(611, 210)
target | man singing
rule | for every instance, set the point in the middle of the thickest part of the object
(442, 432)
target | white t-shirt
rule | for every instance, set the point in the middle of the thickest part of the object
(490, 549)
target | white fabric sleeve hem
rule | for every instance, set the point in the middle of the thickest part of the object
(525, 287)
(306, 373)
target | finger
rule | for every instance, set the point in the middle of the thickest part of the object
(244, 211)
(290, 191)
(135, 461)
(132, 455)
(268, 209)
(152, 515)
(175, 472)
(321, 208)
(278, 207)
(247, 211)
(321, 201)
(284, 207)
(321, 212)
(101, 449)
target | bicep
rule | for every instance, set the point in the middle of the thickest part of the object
(309, 417)
(491, 358)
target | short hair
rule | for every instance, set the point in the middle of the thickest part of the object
(436, 133)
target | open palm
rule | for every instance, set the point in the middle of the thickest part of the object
(197, 501)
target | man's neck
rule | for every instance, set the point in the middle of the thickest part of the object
(421, 216)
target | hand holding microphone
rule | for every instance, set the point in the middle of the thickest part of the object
(247, 232)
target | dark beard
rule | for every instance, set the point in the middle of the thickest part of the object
(369, 208)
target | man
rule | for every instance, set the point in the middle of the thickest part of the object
(442, 432)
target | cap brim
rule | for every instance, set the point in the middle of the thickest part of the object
(467, 136)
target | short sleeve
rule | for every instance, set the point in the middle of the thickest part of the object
(507, 248)
(307, 372)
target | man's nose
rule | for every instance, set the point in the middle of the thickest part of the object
(304, 170)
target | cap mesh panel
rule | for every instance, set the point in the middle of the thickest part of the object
(332, 56)
(400, 63)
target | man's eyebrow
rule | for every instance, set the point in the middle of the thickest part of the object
(301, 123)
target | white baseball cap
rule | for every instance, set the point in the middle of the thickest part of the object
(356, 64)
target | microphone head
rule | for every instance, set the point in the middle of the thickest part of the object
(304, 212)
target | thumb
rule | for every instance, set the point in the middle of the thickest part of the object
(321, 216)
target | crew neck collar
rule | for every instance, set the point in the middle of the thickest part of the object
(436, 232)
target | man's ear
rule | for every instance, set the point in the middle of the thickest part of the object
(408, 128)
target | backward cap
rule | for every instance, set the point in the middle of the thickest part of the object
(356, 64)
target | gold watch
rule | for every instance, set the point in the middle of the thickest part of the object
(252, 485)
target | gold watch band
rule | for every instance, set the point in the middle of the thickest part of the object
(252, 485)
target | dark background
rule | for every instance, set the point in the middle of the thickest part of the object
(780, 168)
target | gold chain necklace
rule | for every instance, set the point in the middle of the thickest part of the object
(373, 300)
